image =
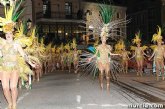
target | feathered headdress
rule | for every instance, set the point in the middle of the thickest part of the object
(23, 39)
(157, 37)
(103, 25)
(67, 47)
(49, 47)
(58, 50)
(12, 13)
(74, 45)
(119, 46)
(54, 49)
(106, 13)
(42, 43)
(137, 39)
(61, 47)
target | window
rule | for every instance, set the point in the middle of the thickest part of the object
(68, 8)
(46, 8)
(53, 29)
(45, 28)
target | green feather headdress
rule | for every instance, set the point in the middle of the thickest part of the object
(12, 13)
(106, 12)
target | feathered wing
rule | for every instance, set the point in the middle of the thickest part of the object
(24, 69)
(144, 47)
(22, 39)
(132, 48)
(88, 67)
(153, 47)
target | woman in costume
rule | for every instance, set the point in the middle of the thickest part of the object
(103, 61)
(158, 54)
(11, 51)
(103, 56)
(75, 56)
(139, 54)
(68, 57)
(38, 69)
(53, 59)
(120, 48)
(62, 56)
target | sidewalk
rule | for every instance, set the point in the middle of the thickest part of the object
(146, 84)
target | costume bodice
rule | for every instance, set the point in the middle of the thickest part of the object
(139, 52)
(159, 52)
(10, 52)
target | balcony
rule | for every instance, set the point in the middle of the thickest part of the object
(59, 16)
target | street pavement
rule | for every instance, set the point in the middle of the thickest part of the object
(62, 90)
(146, 84)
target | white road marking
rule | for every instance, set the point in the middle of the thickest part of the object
(78, 98)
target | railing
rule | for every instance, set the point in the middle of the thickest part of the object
(59, 15)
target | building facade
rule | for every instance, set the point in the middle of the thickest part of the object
(59, 20)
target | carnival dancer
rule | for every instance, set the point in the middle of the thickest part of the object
(75, 55)
(103, 60)
(103, 56)
(139, 53)
(120, 48)
(35, 52)
(158, 54)
(53, 61)
(57, 58)
(11, 50)
(62, 56)
(25, 42)
(68, 56)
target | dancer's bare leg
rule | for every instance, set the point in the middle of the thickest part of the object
(75, 67)
(138, 68)
(37, 74)
(34, 75)
(157, 69)
(141, 67)
(13, 85)
(107, 71)
(162, 69)
(40, 70)
(69, 67)
(126, 67)
(6, 89)
(62, 65)
(123, 63)
(101, 75)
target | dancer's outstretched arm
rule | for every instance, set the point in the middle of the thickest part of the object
(22, 53)
(145, 53)
(152, 55)
(133, 55)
